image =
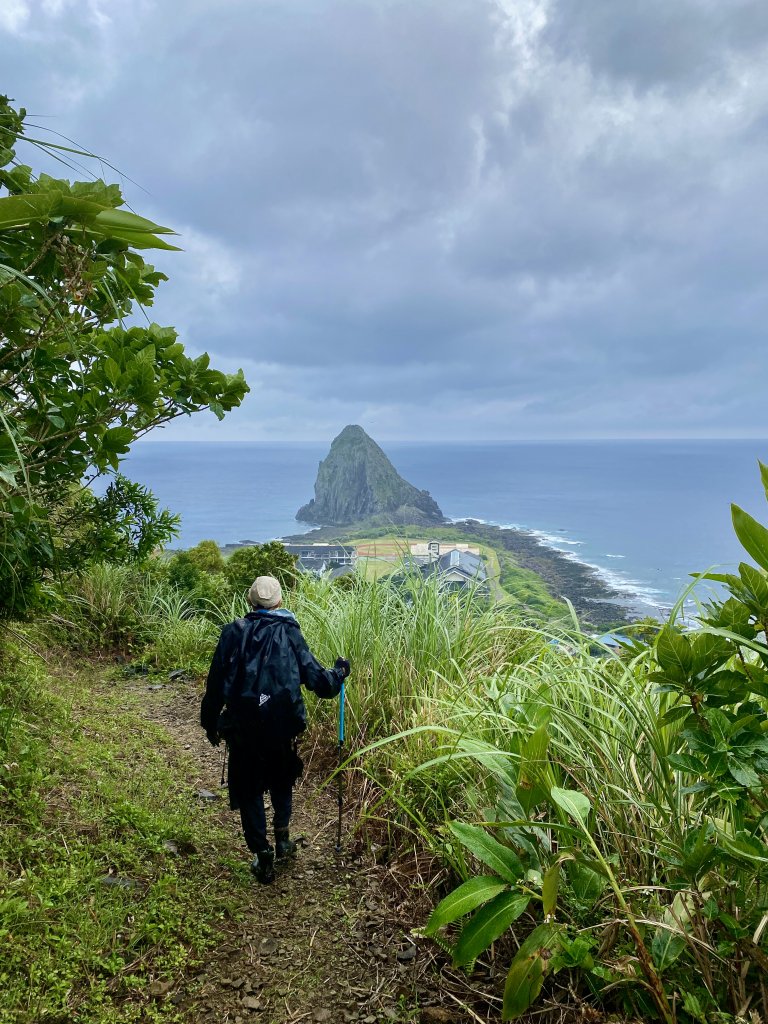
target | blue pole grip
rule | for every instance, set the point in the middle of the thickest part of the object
(341, 714)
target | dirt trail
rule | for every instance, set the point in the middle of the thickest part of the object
(328, 941)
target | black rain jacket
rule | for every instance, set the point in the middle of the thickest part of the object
(264, 648)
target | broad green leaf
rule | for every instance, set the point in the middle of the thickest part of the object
(753, 536)
(716, 577)
(490, 851)
(487, 925)
(7, 477)
(666, 946)
(730, 614)
(764, 476)
(587, 884)
(744, 774)
(755, 587)
(82, 210)
(720, 724)
(739, 639)
(532, 782)
(735, 686)
(124, 222)
(686, 763)
(524, 982)
(533, 753)
(136, 240)
(16, 211)
(675, 714)
(745, 847)
(698, 851)
(466, 898)
(112, 371)
(117, 439)
(708, 651)
(693, 1007)
(669, 938)
(575, 804)
(673, 651)
(549, 889)
(526, 974)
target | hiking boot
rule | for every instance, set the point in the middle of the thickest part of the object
(263, 866)
(284, 846)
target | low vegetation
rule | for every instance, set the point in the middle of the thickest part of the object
(106, 888)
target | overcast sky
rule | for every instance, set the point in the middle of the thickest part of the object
(440, 219)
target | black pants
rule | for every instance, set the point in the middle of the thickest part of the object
(254, 818)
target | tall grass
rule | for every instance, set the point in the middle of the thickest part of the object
(498, 746)
(458, 711)
(406, 646)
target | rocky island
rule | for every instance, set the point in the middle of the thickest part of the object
(356, 481)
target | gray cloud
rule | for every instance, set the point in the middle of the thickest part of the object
(440, 218)
(654, 43)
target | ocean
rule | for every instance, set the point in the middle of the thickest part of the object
(644, 513)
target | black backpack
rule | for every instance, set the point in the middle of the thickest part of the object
(273, 711)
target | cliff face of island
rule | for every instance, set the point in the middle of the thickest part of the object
(356, 481)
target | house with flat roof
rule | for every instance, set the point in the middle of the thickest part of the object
(322, 558)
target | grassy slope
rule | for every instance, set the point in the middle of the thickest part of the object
(88, 788)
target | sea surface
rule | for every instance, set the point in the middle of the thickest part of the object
(645, 513)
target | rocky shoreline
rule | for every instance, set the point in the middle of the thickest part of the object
(564, 576)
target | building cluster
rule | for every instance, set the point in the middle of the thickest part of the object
(324, 559)
(456, 565)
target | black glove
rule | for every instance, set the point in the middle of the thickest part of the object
(342, 665)
(213, 737)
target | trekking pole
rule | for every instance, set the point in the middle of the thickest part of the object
(341, 758)
(224, 764)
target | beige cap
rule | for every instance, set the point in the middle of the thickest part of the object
(265, 592)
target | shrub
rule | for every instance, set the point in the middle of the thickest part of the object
(105, 603)
(271, 559)
(184, 643)
(207, 556)
(184, 573)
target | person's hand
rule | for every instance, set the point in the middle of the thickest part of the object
(343, 666)
(213, 737)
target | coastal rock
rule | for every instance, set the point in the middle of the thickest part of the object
(357, 481)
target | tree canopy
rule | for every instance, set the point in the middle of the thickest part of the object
(270, 559)
(79, 380)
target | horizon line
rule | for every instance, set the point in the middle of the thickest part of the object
(450, 440)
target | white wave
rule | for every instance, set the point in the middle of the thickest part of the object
(475, 519)
(553, 539)
(606, 555)
(637, 590)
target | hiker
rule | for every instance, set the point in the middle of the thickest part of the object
(259, 666)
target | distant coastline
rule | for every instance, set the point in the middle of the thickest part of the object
(534, 548)
(643, 514)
